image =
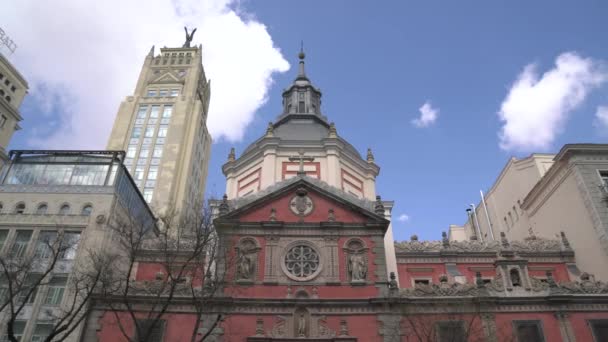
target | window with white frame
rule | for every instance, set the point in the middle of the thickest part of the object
(20, 245)
(163, 92)
(29, 290)
(174, 92)
(55, 291)
(151, 92)
(131, 150)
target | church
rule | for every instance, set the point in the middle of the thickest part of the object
(306, 244)
(312, 256)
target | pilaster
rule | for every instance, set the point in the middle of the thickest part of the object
(565, 327)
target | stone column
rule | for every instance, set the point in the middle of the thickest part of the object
(565, 328)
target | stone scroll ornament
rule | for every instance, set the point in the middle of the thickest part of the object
(301, 204)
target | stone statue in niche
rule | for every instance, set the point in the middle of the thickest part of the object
(301, 325)
(357, 267)
(244, 266)
(245, 263)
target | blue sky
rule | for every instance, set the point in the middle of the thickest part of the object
(377, 63)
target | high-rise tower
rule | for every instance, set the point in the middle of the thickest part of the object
(163, 129)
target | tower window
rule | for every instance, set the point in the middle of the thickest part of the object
(141, 113)
(158, 152)
(151, 92)
(174, 92)
(136, 132)
(154, 111)
(167, 111)
(163, 92)
(162, 131)
(152, 172)
(301, 107)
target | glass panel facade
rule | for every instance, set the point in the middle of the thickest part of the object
(57, 174)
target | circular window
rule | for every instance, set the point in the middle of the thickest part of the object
(302, 262)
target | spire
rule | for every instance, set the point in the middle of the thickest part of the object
(301, 56)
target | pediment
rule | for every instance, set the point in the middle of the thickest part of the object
(302, 201)
(167, 77)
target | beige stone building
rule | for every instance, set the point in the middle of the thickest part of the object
(163, 129)
(13, 88)
(545, 194)
(74, 195)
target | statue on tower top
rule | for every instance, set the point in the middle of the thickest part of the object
(188, 37)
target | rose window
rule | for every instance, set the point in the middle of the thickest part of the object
(302, 262)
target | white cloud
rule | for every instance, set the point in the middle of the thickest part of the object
(428, 115)
(537, 107)
(601, 118)
(85, 59)
(403, 218)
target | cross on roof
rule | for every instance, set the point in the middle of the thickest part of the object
(301, 159)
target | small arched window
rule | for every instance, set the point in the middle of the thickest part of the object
(86, 210)
(64, 210)
(42, 208)
(8, 99)
(20, 208)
